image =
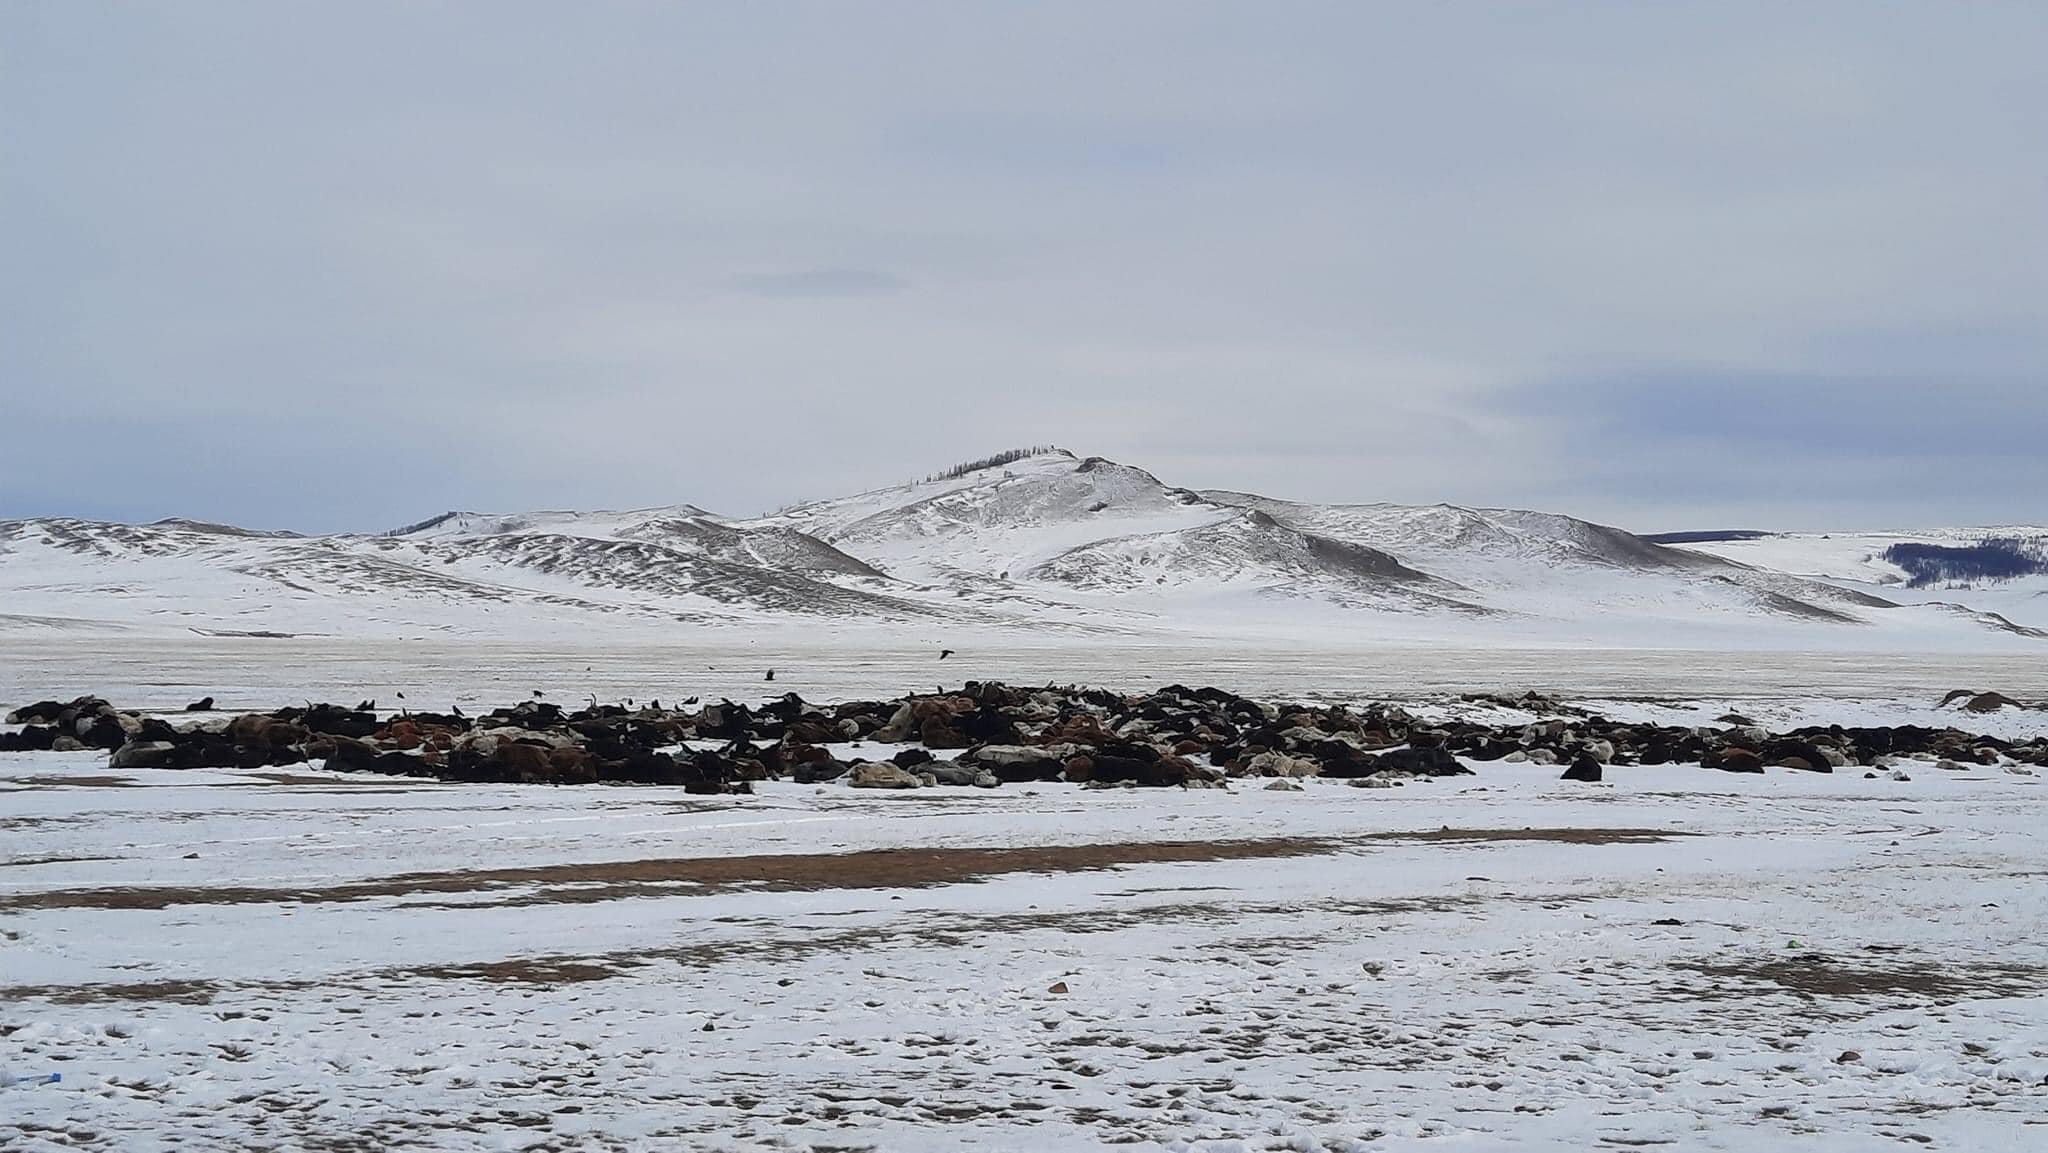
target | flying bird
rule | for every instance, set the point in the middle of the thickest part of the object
(944, 653)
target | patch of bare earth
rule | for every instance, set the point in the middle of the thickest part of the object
(527, 971)
(1818, 975)
(341, 783)
(1566, 836)
(872, 869)
(190, 992)
(607, 880)
(955, 930)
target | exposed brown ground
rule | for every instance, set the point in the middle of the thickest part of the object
(874, 869)
(606, 880)
(198, 992)
(345, 782)
(1821, 975)
(956, 930)
(1557, 836)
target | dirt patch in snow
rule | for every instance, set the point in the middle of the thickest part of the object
(608, 880)
(874, 869)
(1818, 975)
(1566, 836)
(527, 971)
(337, 782)
(190, 992)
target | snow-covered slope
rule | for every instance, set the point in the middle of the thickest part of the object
(555, 573)
(1048, 542)
(1856, 561)
(999, 521)
(1544, 565)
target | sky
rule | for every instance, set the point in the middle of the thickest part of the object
(340, 266)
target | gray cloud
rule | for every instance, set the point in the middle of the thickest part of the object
(816, 282)
(1725, 448)
(502, 256)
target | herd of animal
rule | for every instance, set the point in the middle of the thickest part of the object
(984, 734)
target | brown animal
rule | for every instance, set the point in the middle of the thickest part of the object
(257, 729)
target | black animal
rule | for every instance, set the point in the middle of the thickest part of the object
(455, 711)
(202, 705)
(944, 653)
(770, 676)
(1583, 768)
(537, 694)
(367, 707)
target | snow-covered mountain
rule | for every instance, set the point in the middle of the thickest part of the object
(1870, 562)
(1045, 543)
(457, 574)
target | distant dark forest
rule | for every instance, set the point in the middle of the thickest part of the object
(1991, 559)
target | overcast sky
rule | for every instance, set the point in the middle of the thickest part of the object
(344, 265)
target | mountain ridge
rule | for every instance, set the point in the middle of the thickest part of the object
(1028, 542)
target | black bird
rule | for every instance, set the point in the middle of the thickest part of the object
(202, 705)
(369, 706)
(771, 675)
(944, 653)
(456, 712)
(691, 701)
(537, 694)
(401, 696)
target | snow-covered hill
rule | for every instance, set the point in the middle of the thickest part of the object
(551, 574)
(1049, 543)
(1857, 561)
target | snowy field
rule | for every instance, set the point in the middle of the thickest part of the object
(1679, 958)
(157, 672)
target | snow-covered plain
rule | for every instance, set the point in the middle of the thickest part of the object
(1679, 959)
(253, 673)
